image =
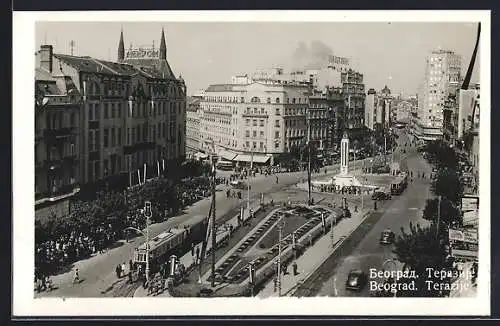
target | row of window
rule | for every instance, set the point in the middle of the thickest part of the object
(123, 89)
(114, 110)
(261, 147)
(254, 133)
(233, 99)
(56, 120)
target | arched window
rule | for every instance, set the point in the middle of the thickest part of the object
(268, 100)
(293, 100)
(277, 100)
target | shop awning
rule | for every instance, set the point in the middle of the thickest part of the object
(227, 155)
(256, 158)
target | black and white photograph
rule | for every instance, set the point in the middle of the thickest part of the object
(273, 158)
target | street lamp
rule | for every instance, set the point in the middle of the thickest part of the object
(148, 214)
(249, 175)
(393, 261)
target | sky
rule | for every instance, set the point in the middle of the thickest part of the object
(205, 53)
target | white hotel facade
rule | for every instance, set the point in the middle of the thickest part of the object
(258, 118)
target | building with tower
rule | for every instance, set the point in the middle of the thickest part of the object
(129, 114)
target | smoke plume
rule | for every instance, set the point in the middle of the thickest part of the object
(313, 57)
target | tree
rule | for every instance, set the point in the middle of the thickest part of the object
(448, 185)
(420, 250)
(442, 155)
(448, 215)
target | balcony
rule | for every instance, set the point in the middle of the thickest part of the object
(59, 133)
(254, 115)
(57, 194)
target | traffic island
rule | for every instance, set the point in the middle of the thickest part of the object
(300, 226)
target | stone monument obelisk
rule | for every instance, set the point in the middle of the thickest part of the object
(344, 155)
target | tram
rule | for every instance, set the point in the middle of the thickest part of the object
(176, 241)
(399, 184)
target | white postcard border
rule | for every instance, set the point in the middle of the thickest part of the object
(23, 203)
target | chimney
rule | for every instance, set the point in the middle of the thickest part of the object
(46, 57)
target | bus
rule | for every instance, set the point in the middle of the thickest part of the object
(225, 165)
(399, 184)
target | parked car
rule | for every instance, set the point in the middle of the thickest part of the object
(387, 237)
(356, 280)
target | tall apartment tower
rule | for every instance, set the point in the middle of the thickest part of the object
(443, 68)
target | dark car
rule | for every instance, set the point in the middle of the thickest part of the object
(356, 280)
(387, 237)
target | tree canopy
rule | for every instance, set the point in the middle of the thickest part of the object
(448, 185)
(420, 249)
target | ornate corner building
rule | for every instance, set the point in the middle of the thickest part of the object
(98, 122)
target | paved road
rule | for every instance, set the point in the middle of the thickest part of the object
(97, 273)
(368, 253)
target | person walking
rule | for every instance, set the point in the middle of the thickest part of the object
(295, 267)
(118, 271)
(76, 279)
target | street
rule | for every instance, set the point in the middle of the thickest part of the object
(98, 272)
(369, 253)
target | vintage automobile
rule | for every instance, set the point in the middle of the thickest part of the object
(356, 280)
(387, 237)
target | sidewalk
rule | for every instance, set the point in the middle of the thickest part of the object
(313, 257)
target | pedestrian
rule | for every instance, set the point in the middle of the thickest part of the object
(76, 279)
(131, 265)
(118, 271)
(197, 255)
(294, 266)
(276, 179)
(192, 249)
(123, 269)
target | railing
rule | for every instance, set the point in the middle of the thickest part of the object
(60, 132)
(59, 193)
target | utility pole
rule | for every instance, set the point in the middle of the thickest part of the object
(385, 149)
(248, 183)
(72, 46)
(280, 227)
(309, 159)
(147, 213)
(214, 228)
(331, 232)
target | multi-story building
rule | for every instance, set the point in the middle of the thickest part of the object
(442, 69)
(353, 89)
(401, 110)
(459, 109)
(57, 141)
(378, 108)
(265, 117)
(371, 106)
(130, 112)
(325, 108)
(193, 123)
